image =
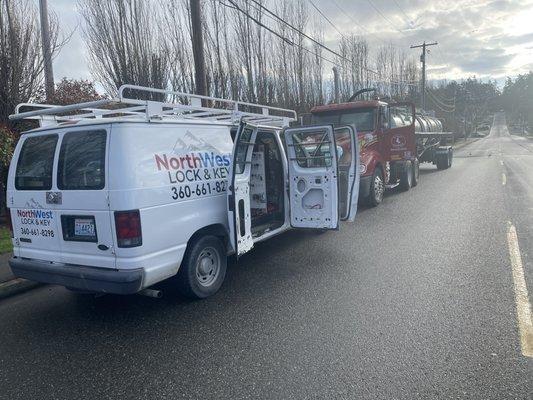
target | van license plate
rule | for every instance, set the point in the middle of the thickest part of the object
(84, 227)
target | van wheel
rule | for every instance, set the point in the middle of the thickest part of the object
(416, 172)
(203, 268)
(406, 176)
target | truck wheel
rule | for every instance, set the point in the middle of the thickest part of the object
(377, 189)
(442, 161)
(203, 268)
(416, 172)
(406, 176)
(450, 158)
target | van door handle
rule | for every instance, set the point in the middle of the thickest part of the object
(103, 247)
(54, 198)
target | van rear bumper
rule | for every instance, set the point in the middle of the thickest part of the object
(79, 277)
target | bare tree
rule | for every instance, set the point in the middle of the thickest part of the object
(21, 60)
(245, 59)
(123, 42)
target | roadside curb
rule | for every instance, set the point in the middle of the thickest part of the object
(463, 144)
(15, 286)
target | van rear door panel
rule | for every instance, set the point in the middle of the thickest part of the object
(313, 177)
(84, 217)
(240, 220)
(59, 202)
(349, 171)
(34, 215)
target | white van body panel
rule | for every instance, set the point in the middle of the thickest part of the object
(176, 175)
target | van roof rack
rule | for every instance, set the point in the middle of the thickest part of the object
(162, 105)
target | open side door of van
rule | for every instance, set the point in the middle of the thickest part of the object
(349, 171)
(239, 190)
(313, 177)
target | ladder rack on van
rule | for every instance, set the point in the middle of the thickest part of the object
(161, 105)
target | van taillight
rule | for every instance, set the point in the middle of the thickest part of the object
(9, 221)
(128, 227)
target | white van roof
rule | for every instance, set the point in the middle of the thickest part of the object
(183, 107)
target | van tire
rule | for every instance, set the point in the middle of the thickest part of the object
(203, 268)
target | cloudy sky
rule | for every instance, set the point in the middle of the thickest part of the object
(486, 38)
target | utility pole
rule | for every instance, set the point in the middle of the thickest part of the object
(336, 84)
(423, 61)
(198, 48)
(47, 51)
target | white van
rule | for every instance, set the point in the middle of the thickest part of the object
(115, 200)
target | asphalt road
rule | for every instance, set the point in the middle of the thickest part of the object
(413, 300)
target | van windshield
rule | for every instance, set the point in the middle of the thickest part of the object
(35, 163)
(82, 160)
(362, 118)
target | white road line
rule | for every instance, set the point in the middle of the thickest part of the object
(523, 308)
(501, 162)
(504, 179)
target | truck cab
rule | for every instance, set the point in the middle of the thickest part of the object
(386, 135)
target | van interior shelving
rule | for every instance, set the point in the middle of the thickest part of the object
(266, 192)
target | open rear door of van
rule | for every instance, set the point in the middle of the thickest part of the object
(349, 171)
(240, 219)
(313, 177)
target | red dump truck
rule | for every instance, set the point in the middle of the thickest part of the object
(394, 140)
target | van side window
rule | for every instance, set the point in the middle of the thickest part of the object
(82, 161)
(35, 163)
(313, 149)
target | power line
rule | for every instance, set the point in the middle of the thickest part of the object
(444, 102)
(296, 29)
(326, 18)
(438, 104)
(383, 16)
(402, 11)
(290, 42)
(365, 68)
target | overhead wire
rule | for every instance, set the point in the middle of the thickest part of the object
(278, 18)
(342, 35)
(402, 11)
(443, 107)
(383, 16)
(235, 6)
(326, 18)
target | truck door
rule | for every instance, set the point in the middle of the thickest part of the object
(240, 220)
(349, 171)
(400, 142)
(313, 177)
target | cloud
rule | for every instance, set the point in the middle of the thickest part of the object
(475, 37)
